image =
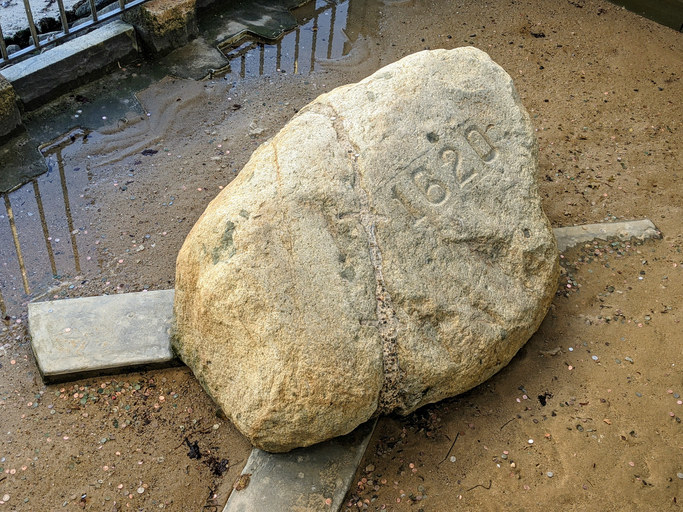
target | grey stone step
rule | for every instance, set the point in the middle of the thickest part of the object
(305, 479)
(94, 335)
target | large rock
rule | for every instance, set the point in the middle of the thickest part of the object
(385, 250)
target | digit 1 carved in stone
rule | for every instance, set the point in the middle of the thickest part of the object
(413, 210)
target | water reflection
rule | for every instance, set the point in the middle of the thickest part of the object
(44, 224)
(40, 230)
(326, 32)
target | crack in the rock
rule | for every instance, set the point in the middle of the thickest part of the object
(388, 325)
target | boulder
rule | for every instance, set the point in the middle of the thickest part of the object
(385, 250)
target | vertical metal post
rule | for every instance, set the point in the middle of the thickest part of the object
(296, 50)
(43, 223)
(261, 58)
(315, 40)
(122, 5)
(278, 56)
(17, 245)
(331, 36)
(67, 208)
(31, 25)
(62, 15)
(93, 10)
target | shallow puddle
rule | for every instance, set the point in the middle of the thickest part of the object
(44, 224)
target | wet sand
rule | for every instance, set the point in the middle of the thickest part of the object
(602, 86)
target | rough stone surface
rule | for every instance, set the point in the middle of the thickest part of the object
(164, 24)
(385, 250)
(10, 118)
(76, 337)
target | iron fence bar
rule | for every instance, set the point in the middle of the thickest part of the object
(331, 36)
(73, 30)
(67, 209)
(3, 48)
(31, 24)
(93, 11)
(43, 222)
(122, 4)
(314, 42)
(62, 15)
(296, 50)
(17, 245)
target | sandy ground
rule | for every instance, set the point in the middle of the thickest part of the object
(587, 415)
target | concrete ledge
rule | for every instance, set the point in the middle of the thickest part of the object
(45, 76)
(305, 479)
(575, 235)
(94, 335)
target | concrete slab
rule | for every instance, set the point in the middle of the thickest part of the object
(94, 335)
(575, 235)
(44, 76)
(303, 479)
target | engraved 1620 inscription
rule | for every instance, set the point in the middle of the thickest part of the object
(449, 166)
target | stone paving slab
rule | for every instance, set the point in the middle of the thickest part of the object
(303, 479)
(94, 335)
(575, 235)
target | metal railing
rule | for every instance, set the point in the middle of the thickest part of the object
(34, 264)
(67, 31)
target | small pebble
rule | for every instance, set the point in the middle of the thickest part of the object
(680, 475)
(141, 490)
(550, 474)
(594, 358)
(452, 459)
(530, 441)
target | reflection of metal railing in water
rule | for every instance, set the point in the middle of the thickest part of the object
(66, 32)
(28, 257)
(325, 20)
